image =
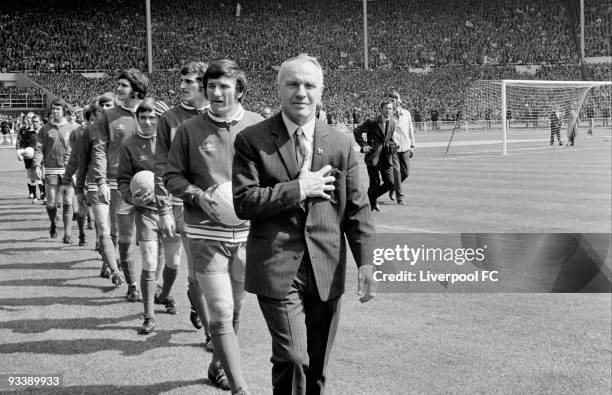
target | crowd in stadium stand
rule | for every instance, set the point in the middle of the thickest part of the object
(349, 95)
(453, 39)
(67, 35)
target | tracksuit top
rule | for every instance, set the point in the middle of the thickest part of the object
(85, 169)
(166, 129)
(200, 157)
(136, 154)
(52, 147)
(26, 138)
(73, 162)
(111, 130)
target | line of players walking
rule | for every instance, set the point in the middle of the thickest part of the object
(88, 168)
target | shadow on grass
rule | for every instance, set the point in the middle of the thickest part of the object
(159, 339)
(116, 389)
(81, 323)
(69, 265)
(56, 282)
(13, 304)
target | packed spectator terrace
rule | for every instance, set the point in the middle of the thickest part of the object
(460, 40)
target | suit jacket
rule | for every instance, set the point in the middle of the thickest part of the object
(382, 144)
(266, 192)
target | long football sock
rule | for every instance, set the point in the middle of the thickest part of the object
(169, 275)
(67, 218)
(147, 286)
(127, 263)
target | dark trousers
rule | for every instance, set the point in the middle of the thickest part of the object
(389, 174)
(401, 172)
(303, 329)
(553, 133)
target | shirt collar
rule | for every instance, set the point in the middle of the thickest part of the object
(236, 117)
(132, 110)
(308, 128)
(64, 121)
(188, 107)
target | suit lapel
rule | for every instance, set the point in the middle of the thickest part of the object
(319, 153)
(381, 127)
(285, 147)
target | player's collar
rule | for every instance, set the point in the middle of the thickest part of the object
(235, 118)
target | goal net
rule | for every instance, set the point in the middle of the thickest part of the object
(499, 115)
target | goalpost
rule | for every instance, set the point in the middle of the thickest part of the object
(527, 104)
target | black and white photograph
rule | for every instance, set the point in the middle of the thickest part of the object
(303, 197)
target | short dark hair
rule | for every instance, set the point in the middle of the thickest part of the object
(385, 101)
(60, 103)
(198, 68)
(146, 105)
(138, 81)
(227, 68)
(107, 97)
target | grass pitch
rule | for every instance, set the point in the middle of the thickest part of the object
(58, 317)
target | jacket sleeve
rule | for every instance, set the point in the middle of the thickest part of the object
(68, 151)
(411, 131)
(176, 177)
(253, 199)
(358, 134)
(38, 149)
(125, 172)
(73, 161)
(162, 148)
(99, 131)
(358, 222)
(83, 161)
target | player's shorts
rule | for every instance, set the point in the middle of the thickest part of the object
(212, 256)
(53, 179)
(178, 211)
(118, 206)
(92, 198)
(146, 224)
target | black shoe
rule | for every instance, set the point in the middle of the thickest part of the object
(133, 294)
(217, 376)
(195, 319)
(148, 326)
(105, 272)
(373, 204)
(157, 296)
(117, 278)
(208, 344)
(53, 231)
(400, 202)
(67, 240)
(170, 305)
(82, 240)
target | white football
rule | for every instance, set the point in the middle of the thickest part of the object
(222, 204)
(142, 182)
(28, 153)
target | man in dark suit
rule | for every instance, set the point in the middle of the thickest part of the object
(380, 153)
(297, 180)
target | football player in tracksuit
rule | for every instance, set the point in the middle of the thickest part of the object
(91, 112)
(172, 224)
(53, 151)
(111, 130)
(137, 155)
(87, 190)
(200, 158)
(27, 138)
